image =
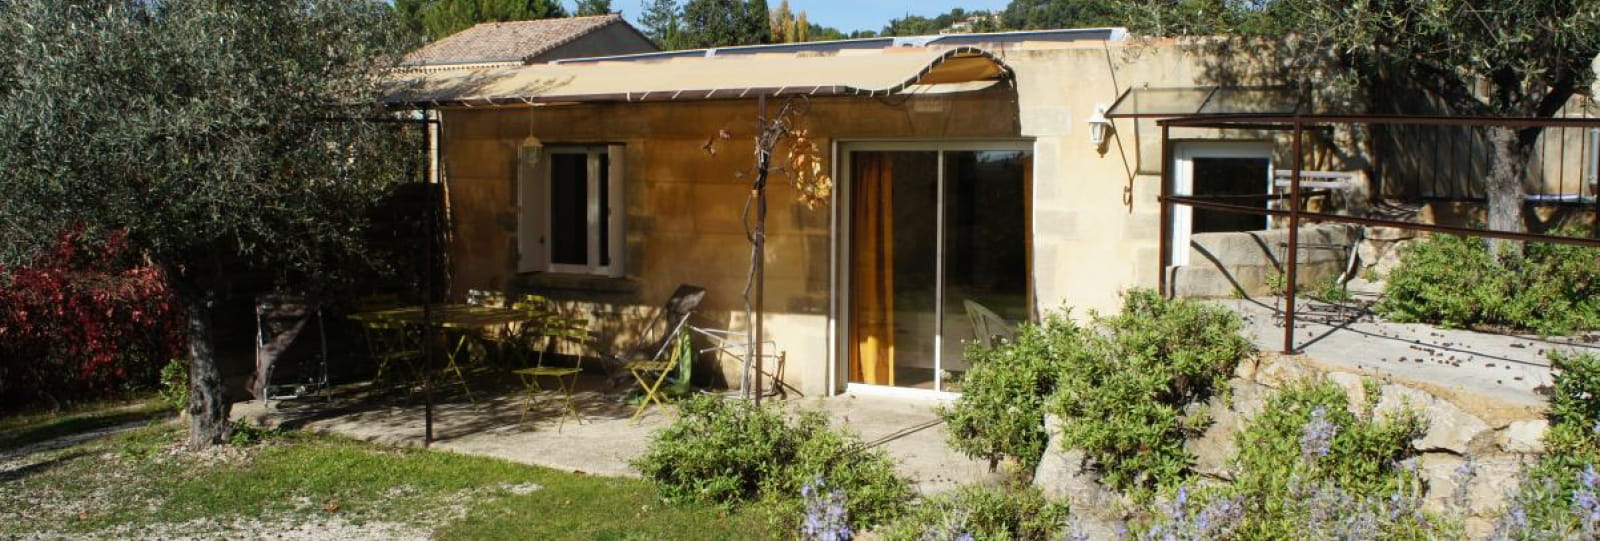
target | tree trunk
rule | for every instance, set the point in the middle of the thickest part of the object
(208, 407)
(208, 402)
(1508, 166)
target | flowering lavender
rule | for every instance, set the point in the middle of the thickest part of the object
(1584, 502)
(1181, 521)
(826, 516)
(1316, 438)
(1465, 473)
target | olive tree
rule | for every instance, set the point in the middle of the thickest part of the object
(1515, 58)
(215, 133)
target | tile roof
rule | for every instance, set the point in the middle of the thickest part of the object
(508, 41)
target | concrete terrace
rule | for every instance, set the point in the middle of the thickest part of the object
(1507, 368)
(908, 428)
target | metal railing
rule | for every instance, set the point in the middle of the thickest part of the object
(1420, 160)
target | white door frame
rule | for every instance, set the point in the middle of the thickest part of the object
(839, 329)
(1184, 154)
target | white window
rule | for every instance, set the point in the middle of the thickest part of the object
(1238, 173)
(570, 210)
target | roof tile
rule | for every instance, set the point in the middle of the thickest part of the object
(508, 41)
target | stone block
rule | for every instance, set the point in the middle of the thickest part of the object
(1068, 474)
(1277, 371)
(1524, 436)
(1450, 428)
(1354, 388)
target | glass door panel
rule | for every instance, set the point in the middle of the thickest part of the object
(985, 250)
(937, 249)
(894, 250)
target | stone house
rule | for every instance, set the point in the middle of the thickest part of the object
(969, 178)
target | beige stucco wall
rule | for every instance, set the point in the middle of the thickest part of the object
(1096, 221)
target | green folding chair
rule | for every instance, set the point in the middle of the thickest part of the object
(545, 326)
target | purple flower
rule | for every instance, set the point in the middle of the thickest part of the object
(1180, 522)
(1584, 502)
(827, 519)
(1316, 439)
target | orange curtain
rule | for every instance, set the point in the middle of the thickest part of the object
(872, 270)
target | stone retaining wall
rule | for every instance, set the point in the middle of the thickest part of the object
(1496, 440)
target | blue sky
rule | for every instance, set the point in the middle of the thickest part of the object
(850, 15)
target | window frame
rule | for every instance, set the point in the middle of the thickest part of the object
(534, 212)
(1183, 182)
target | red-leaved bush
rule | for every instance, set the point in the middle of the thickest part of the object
(84, 319)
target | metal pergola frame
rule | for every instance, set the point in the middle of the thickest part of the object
(1297, 125)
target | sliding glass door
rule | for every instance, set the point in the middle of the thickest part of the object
(937, 257)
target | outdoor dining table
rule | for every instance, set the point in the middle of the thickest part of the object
(461, 318)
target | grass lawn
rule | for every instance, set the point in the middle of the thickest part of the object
(137, 484)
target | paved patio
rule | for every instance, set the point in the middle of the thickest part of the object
(1509, 368)
(606, 440)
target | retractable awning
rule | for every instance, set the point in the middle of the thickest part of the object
(876, 73)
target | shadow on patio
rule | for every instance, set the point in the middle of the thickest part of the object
(605, 440)
(1510, 368)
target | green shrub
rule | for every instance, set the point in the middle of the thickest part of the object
(1306, 438)
(984, 513)
(731, 452)
(1453, 281)
(1559, 497)
(175, 384)
(1001, 409)
(1330, 290)
(1308, 467)
(1119, 386)
(246, 434)
(1123, 395)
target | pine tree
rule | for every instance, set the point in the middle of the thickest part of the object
(593, 7)
(756, 28)
(714, 23)
(661, 21)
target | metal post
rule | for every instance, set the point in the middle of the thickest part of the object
(1165, 236)
(427, 302)
(1294, 243)
(763, 158)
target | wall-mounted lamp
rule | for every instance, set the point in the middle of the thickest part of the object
(531, 150)
(1099, 126)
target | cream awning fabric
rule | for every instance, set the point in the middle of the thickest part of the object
(881, 72)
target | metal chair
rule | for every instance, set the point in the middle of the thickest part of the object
(392, 346)
(544, 325)
(650, 363)
(987, 326)
(735, 344)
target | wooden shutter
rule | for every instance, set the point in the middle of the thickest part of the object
(533, 189)
(618, 213)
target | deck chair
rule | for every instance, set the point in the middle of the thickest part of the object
(651, 362)
(987, 326)
(734, 345)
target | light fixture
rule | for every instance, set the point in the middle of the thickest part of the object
(1099, 126)
(530, 150)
